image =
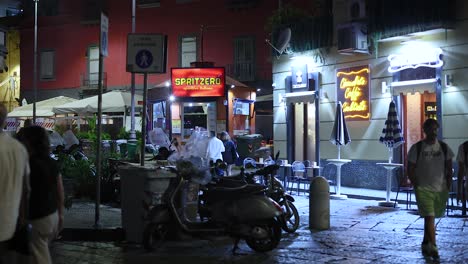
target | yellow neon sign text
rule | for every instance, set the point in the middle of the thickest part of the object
(353, 84)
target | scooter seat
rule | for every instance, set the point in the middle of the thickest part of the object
(241, 189)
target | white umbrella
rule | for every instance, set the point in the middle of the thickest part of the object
(114, 101)
(391, 133)
(43, 108)
(340, 135)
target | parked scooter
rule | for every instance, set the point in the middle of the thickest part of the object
(239, 211)
(275, 190)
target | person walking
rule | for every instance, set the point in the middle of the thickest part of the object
(230, 153)
(214, 148)
(430, 171)
(47, 197)
(14, 187)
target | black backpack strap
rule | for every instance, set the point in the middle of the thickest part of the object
(418, 149)
(444, 148)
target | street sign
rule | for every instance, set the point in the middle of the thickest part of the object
(146, 53)
(104, 35)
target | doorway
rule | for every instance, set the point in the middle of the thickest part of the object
(417, 108)
(303, 134)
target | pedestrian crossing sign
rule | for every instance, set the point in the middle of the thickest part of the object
(146, 53)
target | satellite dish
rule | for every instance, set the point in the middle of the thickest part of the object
(283, 41)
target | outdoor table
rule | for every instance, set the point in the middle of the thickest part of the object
(389, 167)
(338, 163)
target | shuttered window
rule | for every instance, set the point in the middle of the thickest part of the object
(244, 58)
(47, 65)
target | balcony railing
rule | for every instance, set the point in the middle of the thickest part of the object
(243, 72)
(91, 81)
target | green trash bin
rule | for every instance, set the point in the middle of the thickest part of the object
(123, 150)
(248, 144)
(131, 148)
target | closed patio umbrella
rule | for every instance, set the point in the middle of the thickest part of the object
(340, 135)
(391, 133)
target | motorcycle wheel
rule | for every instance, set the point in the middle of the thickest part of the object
(153, 235)
(291, 219)
(271, 242)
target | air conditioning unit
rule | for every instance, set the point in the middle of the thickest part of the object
(352, 38)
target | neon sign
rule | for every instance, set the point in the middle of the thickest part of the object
(429, 58)
(353, 91)
(198, 82)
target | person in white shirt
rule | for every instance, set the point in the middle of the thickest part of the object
(14, 186)
(215, 148)
(430, 171)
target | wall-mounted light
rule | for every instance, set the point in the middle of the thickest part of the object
(385, 88)
(172, 98)
(168, 84)
(448, 80)
(232, 86)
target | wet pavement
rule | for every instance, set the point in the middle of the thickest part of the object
(360, 232)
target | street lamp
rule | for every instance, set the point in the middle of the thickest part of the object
(35, 62)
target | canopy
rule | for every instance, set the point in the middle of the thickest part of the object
(113, 101)
(43, 108)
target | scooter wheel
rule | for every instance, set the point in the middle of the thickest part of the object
(269, 243)
(153, 235)
(290, 218)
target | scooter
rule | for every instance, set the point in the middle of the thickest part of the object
(238, 211)
(275, 190)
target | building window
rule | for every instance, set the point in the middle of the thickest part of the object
(148, 3)
(47, 66)
(93, 66)
(244, 58)
(188, 50)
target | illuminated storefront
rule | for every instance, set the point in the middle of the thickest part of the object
(202, 98)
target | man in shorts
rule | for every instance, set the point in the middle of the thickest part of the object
(430, 171)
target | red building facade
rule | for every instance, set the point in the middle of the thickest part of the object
(231, 34)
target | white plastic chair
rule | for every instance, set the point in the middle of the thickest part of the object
(298, 174)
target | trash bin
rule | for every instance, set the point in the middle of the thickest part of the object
(131, 151)
(248, 144)
(135, 181)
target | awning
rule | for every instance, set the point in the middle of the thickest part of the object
(299, 97)
(413, 86)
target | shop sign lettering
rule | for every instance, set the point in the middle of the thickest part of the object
(353, 92)
(429, 58)
(198, 82)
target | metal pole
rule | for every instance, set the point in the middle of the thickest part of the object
(132, 92)
(35, 62)
(97, 223)
(143, 122)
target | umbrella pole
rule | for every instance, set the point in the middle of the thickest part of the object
(390, 155)
(339, 152)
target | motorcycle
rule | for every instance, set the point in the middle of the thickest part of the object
(275, 190)
(290, 218)
(235, 209)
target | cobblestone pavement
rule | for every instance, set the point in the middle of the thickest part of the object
(361, 232)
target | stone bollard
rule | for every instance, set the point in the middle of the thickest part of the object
(319, 204)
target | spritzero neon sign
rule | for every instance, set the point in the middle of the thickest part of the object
(198, 82)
